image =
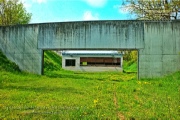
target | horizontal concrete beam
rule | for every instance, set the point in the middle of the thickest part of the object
(92, 35)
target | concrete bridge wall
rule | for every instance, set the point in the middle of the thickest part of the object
(20, 45)
(158, 42)
(91, 35)
(161, 53)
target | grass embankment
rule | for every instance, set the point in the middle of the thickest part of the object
(76, 95)
(52, 62)
(130, 66)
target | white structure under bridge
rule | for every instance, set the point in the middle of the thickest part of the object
(92, 60)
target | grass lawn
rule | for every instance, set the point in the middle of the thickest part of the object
(64, 94)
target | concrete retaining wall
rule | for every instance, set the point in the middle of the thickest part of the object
(19, 44)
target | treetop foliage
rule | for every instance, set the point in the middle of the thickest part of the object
(13, 12)
(153, 9)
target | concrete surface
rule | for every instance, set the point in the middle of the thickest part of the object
(158, 42)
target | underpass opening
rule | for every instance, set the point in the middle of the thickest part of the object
(130, 63)
(125, 61)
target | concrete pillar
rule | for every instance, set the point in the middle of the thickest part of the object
(121, 61)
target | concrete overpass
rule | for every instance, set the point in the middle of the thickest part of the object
(158, 42)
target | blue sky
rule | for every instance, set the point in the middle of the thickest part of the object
(74, 10)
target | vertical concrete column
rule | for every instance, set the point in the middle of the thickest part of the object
(77, 62)
(63, 61)
(121, 61)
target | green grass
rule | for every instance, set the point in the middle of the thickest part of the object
(129, 66)
(62, 94)
(51, 61)
(7, 65)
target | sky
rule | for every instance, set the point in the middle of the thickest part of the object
(74, 10)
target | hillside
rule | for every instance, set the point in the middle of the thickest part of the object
(129, 66)
(52, 61)
(6, 65)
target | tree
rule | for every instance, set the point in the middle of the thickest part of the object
(13, 12)
(153, 9)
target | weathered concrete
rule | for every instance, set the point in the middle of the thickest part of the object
(91, 35)
(158, 42)
(19, 43)
(161, 53)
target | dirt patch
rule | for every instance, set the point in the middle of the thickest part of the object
(119, 114)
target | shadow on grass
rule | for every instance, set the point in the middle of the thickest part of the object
(44, 89)
(73, 76)
(100, 76)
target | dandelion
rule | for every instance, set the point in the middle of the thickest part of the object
(139, 82)
(95, 101)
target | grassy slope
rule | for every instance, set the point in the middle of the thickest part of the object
(51, 61)
(7, 65)
(65, 94)
(129, 66)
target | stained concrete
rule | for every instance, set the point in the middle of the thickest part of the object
(161, 53)
(158, 42)
(19, 43)
(91, 35)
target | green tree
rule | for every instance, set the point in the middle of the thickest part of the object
(130, 55)
(153, 9)
(13, 12)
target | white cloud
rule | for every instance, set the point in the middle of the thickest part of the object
(89, 16)
(39, 1)
(27, 4)
(96, 3)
